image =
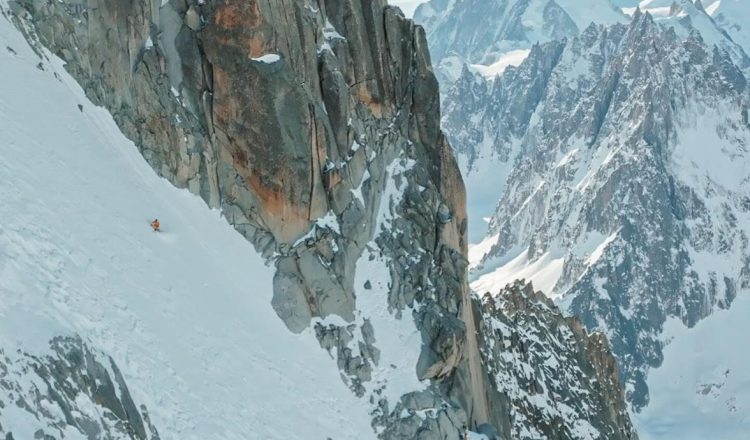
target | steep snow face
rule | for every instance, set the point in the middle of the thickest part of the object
(628, 147)
(512, 58)
(544, 272)
(185, 313)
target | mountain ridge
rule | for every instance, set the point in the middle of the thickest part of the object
(314, 129)
(600, 115)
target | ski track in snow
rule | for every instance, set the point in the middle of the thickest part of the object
(186, 313)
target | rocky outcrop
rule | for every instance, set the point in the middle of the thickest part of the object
(561, 382)
(73, 389)
(294, 117)
(314, 127)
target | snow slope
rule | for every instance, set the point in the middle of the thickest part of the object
(185, 313)
(543, 273)
(702, 391)
(485, 184)
(734, 17)
(512, 58)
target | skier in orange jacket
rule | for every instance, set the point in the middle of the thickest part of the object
(155, 225)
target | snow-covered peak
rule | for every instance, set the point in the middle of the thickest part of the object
(484, 31)
(688, 17)
(617, 144)
(734, 17)
(584, 13)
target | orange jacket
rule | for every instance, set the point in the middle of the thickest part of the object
(155, 224)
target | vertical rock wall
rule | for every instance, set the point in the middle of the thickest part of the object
(287, 115)
(314, 126)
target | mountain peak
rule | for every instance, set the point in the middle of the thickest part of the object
(617, 103)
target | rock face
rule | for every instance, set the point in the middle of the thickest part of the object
(314, 127)
(626, 149)
(75, 391)
(560, 380)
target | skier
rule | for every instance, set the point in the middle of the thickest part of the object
(155, 225)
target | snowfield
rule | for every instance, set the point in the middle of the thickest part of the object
(702, 391)
(511, 58)
(186, 313)
(543, 273)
